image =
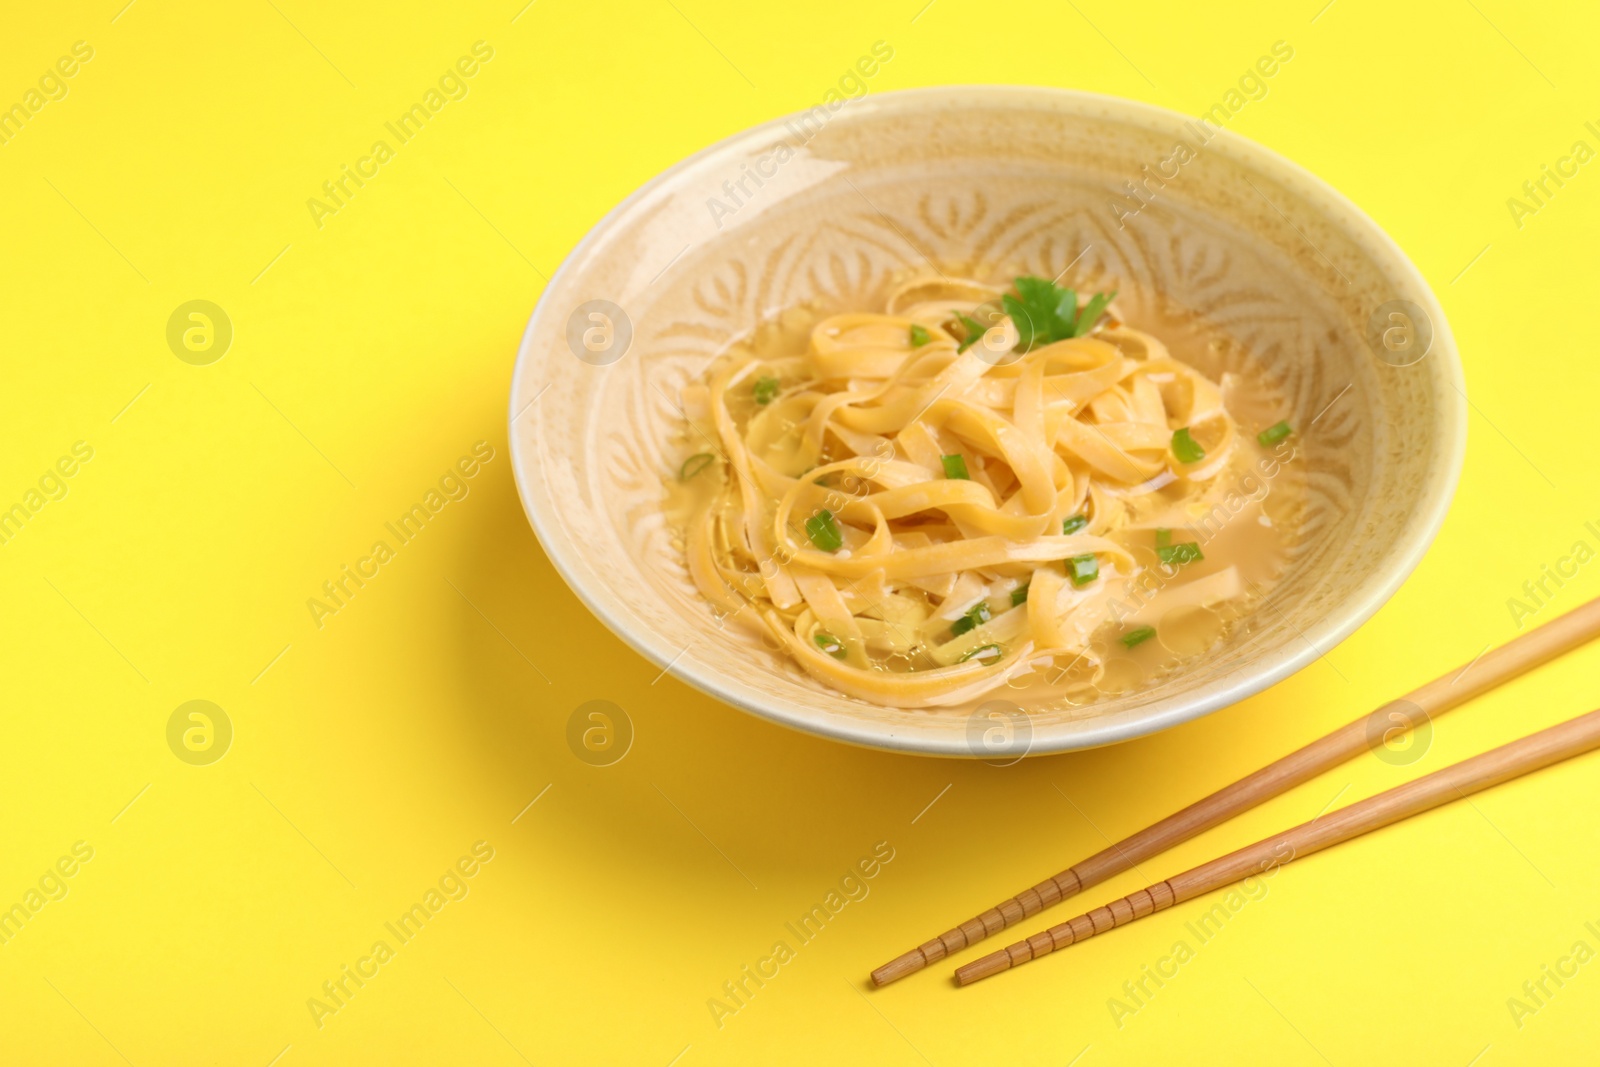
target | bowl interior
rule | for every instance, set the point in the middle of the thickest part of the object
(1197, 228)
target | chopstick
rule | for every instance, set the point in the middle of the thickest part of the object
(1534, 752)
(1487, 671)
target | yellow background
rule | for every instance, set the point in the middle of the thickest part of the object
(369, 754)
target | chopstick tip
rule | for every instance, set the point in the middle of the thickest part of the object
(979, 969)
(897, 968)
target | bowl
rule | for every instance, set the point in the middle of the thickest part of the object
(1190, 222)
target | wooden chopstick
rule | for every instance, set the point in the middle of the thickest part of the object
(1534, 752)
(1482, 674)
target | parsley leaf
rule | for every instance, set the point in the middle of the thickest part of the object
(1045, 312)
(1092, 311)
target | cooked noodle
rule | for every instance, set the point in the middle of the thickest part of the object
(920, 509)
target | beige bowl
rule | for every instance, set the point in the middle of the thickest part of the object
(828, 206)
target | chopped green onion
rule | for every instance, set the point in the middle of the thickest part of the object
(824, 532)
(975, 330)
(1163, 537)
(1083, 569)
(983, 654)
(1019, 595)
(1184, 552)
(955, 467)
(766, 390)
(1091, 312)
(1139, 635)
(1186, 448)
(976, 616)
(919, 336)
(1073, 523)
(694, 465)
(830, 644)
(1273, 434)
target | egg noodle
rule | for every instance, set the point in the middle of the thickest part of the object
(919, 509)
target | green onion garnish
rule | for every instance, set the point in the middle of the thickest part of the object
(1273, 434)
(766, 390)
(984, 653)
(1163, 537)
(694, 465)
(1083, 569)
(919, 336)
(974, 329)
(1073, 523)
(955, 467)
(1136, 636)
(830, 644)
(1184, 552)
(1019, 595)
(976, 616)
(824, 532)
(1186, 448)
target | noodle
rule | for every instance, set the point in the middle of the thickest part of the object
(939, 499)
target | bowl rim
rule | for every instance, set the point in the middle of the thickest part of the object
(1326, 633)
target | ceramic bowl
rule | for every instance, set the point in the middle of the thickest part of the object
(1184, 218)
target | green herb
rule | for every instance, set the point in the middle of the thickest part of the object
(1092, 311)
(1179, 554)
(1045, 312)
(1019, 595)
(1041, 311)
(955, 467)
(974, 330)
(1073, 523)
(1163, 537)
(694, 465)
(919, 336)
(1139, 635)
(1273, 434)
(976, 616)
(1186, 448)
(983, 654)
(766, 390)
(824, 532)
(1083, 569)
(830, 644)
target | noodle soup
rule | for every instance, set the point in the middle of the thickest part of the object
(980, 490)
